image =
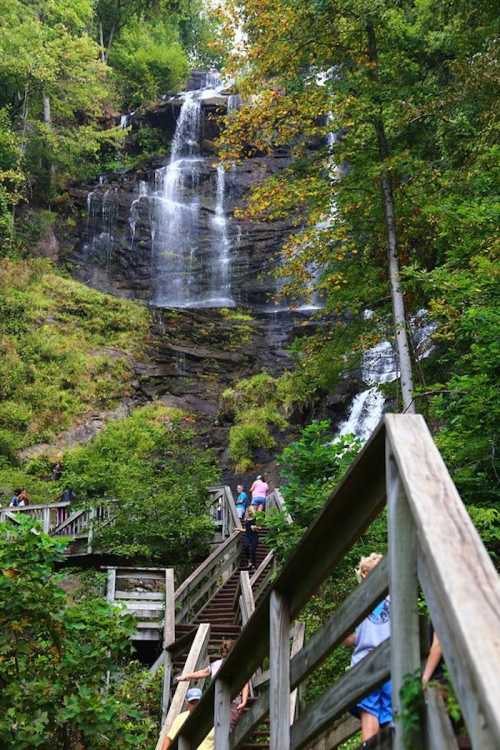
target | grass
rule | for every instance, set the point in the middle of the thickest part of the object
(65, 350)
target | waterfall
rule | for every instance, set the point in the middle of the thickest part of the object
(379, 365)
(134, 213)
(233, 103)
(187, 271)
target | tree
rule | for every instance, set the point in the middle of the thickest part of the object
(148, 464)
(389, 111)
(57, 655)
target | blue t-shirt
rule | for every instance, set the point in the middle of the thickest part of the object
(372, 631)
(242, 499)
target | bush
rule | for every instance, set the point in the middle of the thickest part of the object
(244, 440)
(148, 60)
(56, 655)
(257, 404)
(148, 464)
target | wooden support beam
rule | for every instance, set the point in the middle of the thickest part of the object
(110, 590)
(439, 730)
(279, 672)
(168, 640)
(339, 732)
(299, 634)
(222, 715)
(196, 653)
(460, 583)
(370, 672)
(405, 640)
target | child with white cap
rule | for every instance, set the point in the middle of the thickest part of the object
(193, 697)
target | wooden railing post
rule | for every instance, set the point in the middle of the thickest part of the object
(90, 536)
(110, 589)
(279, 672)
(299, 632)
(222, 715)
(402, 542)
(168, 639)
(46, 519)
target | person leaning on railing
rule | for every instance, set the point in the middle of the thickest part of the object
(375, 709)
(239, 703)
(193, 697)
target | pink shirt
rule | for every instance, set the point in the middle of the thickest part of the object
(259, 488)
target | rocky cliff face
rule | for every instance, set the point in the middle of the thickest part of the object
(166, 233)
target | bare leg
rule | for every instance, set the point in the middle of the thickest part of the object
(369, 726)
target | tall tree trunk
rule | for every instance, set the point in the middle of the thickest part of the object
(398, 305)
(101, 44)
(47, 118)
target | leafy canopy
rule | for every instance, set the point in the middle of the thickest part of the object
(56, 654)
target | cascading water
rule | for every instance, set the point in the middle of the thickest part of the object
(379, 365)
(191, 245)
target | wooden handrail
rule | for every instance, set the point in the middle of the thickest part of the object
(427, 526)
(197, 653)
(41, 506)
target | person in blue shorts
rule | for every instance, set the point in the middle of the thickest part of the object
(375, 709)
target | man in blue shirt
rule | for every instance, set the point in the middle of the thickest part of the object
(241, 501)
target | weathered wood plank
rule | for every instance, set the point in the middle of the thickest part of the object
(331, 738)
(405, 641)
(110, 590)
(141, 595)
(460, 583)
(169, 621)
(279, 672)
(222, 715)
(358, 681)
(299, 634)
(439, 730)
(168, 639)
(251, 719)
(247, 601)
(142, 605)
(196, 653)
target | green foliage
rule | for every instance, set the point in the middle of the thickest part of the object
(55, 655)
(64, 349)
(148, 464)
(411, 708)
(257, 404)
(431, 87)
(12, 178)
(148, 60)
(311, 467)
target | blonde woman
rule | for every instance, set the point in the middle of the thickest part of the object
(375, 709)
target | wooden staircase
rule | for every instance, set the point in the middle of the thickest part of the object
(222, 613)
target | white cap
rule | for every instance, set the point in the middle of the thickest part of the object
(193, 694)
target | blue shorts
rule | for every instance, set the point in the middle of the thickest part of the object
(378, 703)
(259, 501)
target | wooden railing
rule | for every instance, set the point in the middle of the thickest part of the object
(431, 541)
(275, 501)
(58, 520)
(196, 658)
(222, 509)
(51, 516)
(201, 585)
